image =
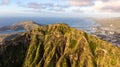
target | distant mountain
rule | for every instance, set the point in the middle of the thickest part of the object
(26, 25)
(58, 45)
(15, 30)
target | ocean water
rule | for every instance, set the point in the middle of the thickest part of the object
(80, 23)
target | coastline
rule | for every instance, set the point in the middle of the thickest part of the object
(113, 23)
(109, 30)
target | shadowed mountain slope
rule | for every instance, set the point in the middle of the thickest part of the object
(58, 45)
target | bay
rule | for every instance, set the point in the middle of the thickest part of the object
(79, 23)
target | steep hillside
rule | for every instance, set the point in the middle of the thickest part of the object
(13, 52)
(58, 45)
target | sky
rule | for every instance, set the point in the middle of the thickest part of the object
(60, 8)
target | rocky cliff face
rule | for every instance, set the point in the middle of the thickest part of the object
(58, 45)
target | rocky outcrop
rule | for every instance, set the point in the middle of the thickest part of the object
(58, 45)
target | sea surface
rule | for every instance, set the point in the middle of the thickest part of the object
(79, 23)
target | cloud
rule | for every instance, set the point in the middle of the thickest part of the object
(109, 6)
(32, 11)
(85, 2)
(104, 0)
(75, 6)
(38, 7)
(33, 5)
(77, 10)
(5, 2)
(56, 10)
(51, 7)
(81, 2)
(61, 6)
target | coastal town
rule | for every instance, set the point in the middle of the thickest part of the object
(108, 34)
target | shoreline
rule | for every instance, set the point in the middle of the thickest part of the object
(109, 30)
(113, 23)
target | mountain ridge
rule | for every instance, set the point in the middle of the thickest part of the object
(58, 45)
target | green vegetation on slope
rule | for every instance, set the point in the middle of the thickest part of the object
(12, 53)
(58, 45)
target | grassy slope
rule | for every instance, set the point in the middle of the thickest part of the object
(13, 55)
(58, 45)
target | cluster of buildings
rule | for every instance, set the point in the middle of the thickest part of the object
(107, 34)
